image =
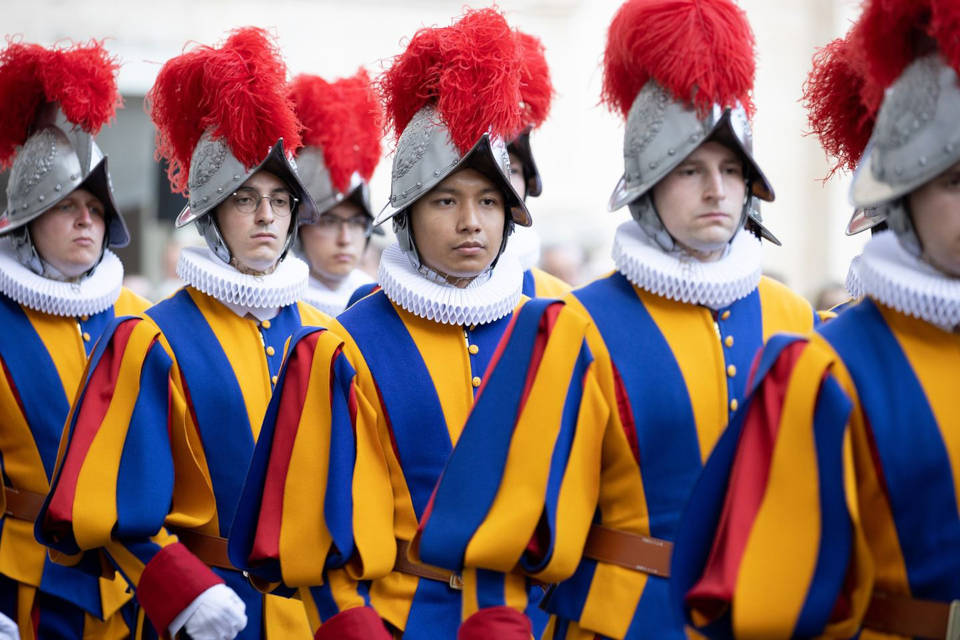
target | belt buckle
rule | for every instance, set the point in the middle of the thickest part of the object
(456, 582)
(953, 621)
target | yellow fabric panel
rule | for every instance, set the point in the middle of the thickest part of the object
(21, 459)
(547, 285)
(502, 537)
(781, 551)
(934, 355)
(21, 556)
(392, 597)
(25, 597)
(344, 590)
(444, 351)
(574, 632)
(243, 346)
(310, 608)
(312, 317)
(783, 310)
(95, 504)
(114, 593)
(131, 566)
(61, 337)
(468, 597)
(693, 339)
(130, 304)
(515, 589)
(614, 594)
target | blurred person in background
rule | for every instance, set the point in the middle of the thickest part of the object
(342, 124)
(565, 261)
(60, 287)
(831, 507)
(175, 399)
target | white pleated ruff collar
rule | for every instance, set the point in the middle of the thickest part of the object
(95, 293)
(483, 300)
(677, 276)
(333, 301)
(202, 270)
(886, 272)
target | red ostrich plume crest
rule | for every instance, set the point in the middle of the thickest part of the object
(342, 118)
(470, 71)
(700, 51)
(842, 99)
(536, 90)
(239, 91)
(81, 79)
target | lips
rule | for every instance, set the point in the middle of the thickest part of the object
(84, 241)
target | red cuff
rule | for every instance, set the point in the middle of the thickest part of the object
(359, 623)
(172, 580)
(502, 623)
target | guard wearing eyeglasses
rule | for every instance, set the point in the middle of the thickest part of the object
(162, 432)
(60, 286)
(342, 125)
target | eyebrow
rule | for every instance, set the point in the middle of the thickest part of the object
(454, 191)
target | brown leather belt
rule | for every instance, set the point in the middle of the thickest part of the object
(22, 505)
(211, 550)
(906, 616)
(421, 570)
(630, 550)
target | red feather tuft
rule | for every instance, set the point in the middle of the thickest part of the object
(945, 28)
(893, 34)
(238, 90)
(470, 71)
(841, 100)
(536, 90)
(342, 118)
(700, 51)
(80, 78)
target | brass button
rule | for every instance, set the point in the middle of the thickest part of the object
(725, 315)
(473, 349)
(86, 337)
(84, 318)
(734, 404)
(728, 341)
(731, 370)
(271, 351)
(476, 381)
(265, 324)
(274, 379)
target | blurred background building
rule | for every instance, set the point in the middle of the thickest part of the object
(579, 149)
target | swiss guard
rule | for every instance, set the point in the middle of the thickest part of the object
(162, 432)
(829, 508)
(60, 286)
(674, 330)
(536, 92)
(342, 127)
(372, 435)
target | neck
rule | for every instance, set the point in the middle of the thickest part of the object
(331, 282)
(704, 256)
(460, 282)
(244, 269)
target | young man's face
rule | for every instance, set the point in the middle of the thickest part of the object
(935, 208)
(458, 225)
(701, 200)
(69, 235)
(255, 220)
(335, 244)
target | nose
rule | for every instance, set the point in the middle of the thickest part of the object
(84, 216)
(343, 233)
(714, 189)
(469, 216)
(264, 211)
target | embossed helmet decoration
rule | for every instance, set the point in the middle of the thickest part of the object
(52, 103)
(342, 128)
(453, 99)
(912, 51)
(536, 94)
(222, 114)
(680, 72)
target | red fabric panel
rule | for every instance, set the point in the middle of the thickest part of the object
(171, 581)
(502, 623)
(360, 623)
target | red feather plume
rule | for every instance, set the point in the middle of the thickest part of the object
(842, 100)
(470, 71)
(945, 28)
(536, 90)
(238, 90)
(700, 51)
(81, 79)
(893, 33)
(344, 120)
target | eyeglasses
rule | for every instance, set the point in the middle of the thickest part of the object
(247, 199)
(330, 223)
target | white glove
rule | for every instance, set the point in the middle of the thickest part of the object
(216, 614)
(8, 629)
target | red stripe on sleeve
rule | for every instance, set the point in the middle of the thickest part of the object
(266, 543)
(748, 483)
(98, 394)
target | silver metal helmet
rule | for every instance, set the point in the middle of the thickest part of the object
(520, 147)
(316, 178)
(915, 138)
(662, 131)
(426, 156)
(55, 160)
